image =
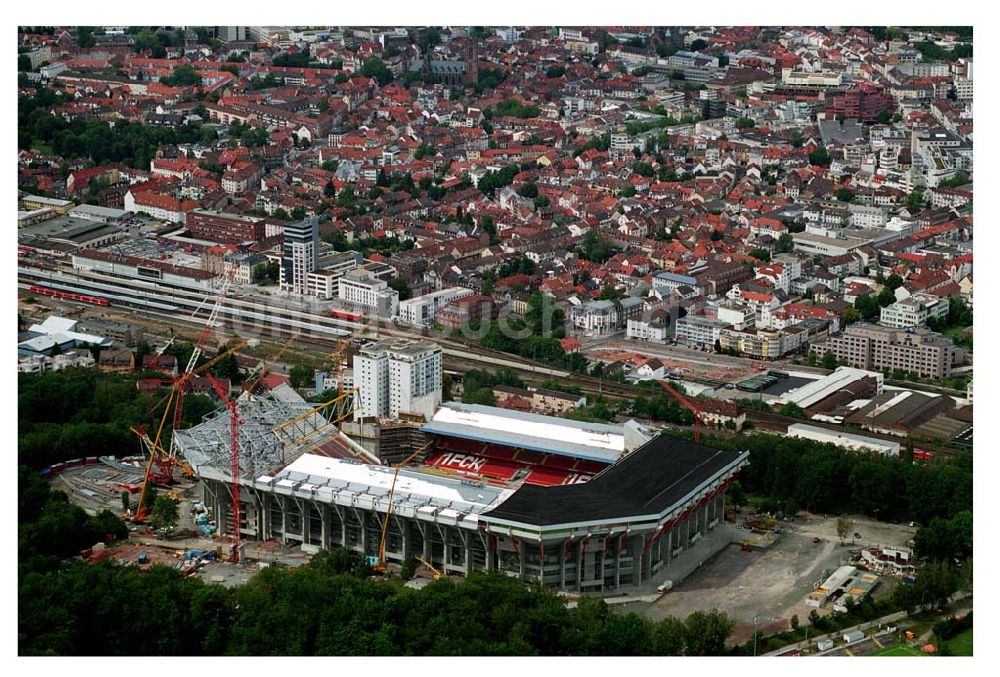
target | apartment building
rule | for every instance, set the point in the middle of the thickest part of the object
(914, 311)
(869, 346)
(397, 376)
(700, 331)
(225, 228)
(605, 317)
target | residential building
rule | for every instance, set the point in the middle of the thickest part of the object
(607, 316)
(397, 376)
(700, 331)
(913, 311)
(869, 346)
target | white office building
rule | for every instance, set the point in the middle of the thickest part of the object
(423, 310)
(363, 290)
(397, 376)
(913, 311)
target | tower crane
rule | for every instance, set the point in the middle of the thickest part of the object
(693, 408)
(380, 564)
(206, 332)
(234, 460)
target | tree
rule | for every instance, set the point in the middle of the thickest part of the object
(376, 68)
(820, 157)
(85, 37)
(785, 244)
(706, 633)
(829, 360)
(300, 376)
(23, 63)
(744, 123)
(529, 190)
(845, 194)
(329, 190)
(401, 286)
(164, 513)
(794, 622)
(126, 500)
(915, 200)
(843, 527)
(183, 75)
(555, 72)
(886, 297)
(761, 254)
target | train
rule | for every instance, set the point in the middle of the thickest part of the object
(69, 296)
(347, 315)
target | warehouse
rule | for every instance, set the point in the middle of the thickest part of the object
(589, 514)
(846, 440)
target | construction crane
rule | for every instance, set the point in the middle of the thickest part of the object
(380, 564)
(234, 460)
(156, 450)
(437, 574)
(210, 325)
(693, 408)
(343, 413)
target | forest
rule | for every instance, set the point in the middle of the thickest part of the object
(331, 606)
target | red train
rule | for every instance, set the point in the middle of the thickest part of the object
(346, 315)
(70, 296)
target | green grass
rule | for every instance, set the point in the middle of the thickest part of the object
(900, 650)
(960, 644)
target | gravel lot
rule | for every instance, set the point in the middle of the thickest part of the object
(771, 584)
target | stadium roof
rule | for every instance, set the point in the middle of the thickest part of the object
(654, 480)
(326, 478)
(590, 441)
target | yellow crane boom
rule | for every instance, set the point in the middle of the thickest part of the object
(380, 566)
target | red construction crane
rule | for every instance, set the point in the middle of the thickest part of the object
(693, 408)
(210, 325)
(234, 459)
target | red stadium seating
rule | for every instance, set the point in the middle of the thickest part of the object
(557, 461)
(498, 470)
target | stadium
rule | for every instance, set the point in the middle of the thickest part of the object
(581, 507)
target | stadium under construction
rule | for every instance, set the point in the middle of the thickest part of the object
(582, 507)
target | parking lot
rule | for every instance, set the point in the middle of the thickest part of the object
(770, 585)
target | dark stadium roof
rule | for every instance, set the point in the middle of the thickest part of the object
(650, 481)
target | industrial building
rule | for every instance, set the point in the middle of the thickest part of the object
(577, 506)
(846, 440)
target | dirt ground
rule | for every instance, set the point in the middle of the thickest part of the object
(770, 585)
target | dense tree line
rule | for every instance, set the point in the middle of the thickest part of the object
(478, 384)
(82, 412)
(802, 474)
(332, 607)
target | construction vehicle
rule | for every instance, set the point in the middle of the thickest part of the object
(693, 408)
(380, 563)
(437, 574)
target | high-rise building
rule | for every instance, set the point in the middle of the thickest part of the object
(397, 376)
(300, 254)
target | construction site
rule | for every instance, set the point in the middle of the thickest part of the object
(269, 477)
